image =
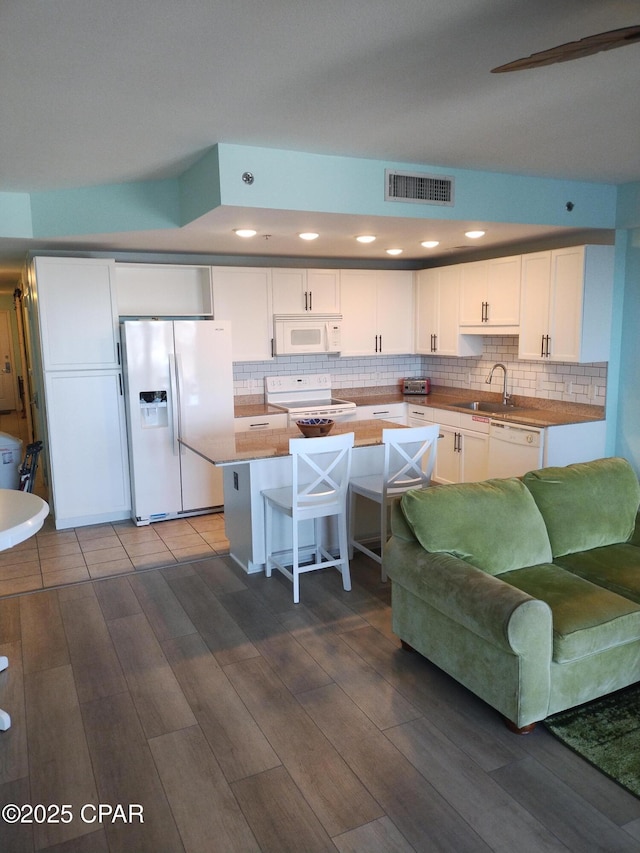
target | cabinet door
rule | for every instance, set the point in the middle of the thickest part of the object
(474, 282)
(87, 446)
(475, 456)
(534, 305)
(449, 341)
(394, 311)
(427, 283)
(503, 293)
(78, 313)
(447, 467)
(289, 291)
(323, 289)
(565, 303)
(242, 296)
(296, 291)
(358, 300)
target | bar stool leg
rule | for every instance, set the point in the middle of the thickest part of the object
(5, 719)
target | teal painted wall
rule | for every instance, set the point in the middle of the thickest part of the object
(628, 402)
(15, 215)
(200, 187)
(108, 209)
(291, 180)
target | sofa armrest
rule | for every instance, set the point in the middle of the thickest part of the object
(635, 537)
(489, 607)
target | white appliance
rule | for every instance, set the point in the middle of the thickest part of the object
(306, 333)
(514, 449)
(307, 396)
(178, 383)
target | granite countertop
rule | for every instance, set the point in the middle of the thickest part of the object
(270, 443)
(533, 411)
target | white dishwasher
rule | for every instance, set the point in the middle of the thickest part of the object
(514, 449)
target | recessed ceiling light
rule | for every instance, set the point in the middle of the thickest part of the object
(245, 232)
(365, 238)
(430, 244)
(308, 235)
(473, 235)
(394, 251)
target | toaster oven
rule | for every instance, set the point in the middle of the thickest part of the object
(416, 385)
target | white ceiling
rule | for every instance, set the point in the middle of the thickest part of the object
(97, 92)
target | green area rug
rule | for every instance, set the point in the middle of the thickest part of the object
(607, 733)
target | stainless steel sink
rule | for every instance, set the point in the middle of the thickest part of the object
(487, 408)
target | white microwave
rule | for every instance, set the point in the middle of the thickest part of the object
(306, 333)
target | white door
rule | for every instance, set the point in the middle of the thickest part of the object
(395, 312)
(475, 456)
(289, 291)
(243, 297)
(534, 305)
(447, 468)
(7, 373)
(358, 301)
(323, 288)
(78, 313)
(152, 420)
(474, 283)
(87, 445)
(504, 291)
(205, 380)
(565, 308)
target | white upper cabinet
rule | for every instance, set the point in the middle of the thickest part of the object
(566, 304)
(490, 295)
(437, 309)
(78, 313)
(377, 311)
(163, 290)
(297, 291)
(242, 295)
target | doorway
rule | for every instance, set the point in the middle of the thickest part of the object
(8, 390)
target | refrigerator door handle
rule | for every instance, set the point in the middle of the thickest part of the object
(175, 409)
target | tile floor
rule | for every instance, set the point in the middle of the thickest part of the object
(58, 557)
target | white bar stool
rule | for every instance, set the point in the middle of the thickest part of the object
(321, 468)
(409, 459)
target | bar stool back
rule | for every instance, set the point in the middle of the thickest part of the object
(320, 479)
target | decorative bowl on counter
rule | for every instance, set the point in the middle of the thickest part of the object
(315, 427)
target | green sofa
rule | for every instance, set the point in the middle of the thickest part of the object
(526, 590)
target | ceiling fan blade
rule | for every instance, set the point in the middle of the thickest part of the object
(574, 49)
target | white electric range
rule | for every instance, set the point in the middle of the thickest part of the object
(307, 396)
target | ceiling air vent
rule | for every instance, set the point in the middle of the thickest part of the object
(418, 187)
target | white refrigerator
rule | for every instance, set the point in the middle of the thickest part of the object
(178, 382)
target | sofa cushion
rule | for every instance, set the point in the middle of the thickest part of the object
(586, 618)
(586, 505)
(494, 525)
(615, 567)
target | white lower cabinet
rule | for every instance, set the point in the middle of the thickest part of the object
(87, 447)
(260, 423)
(420, 415)
(463, 450)
(394, 412)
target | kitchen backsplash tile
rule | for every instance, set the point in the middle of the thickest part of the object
(571, 383)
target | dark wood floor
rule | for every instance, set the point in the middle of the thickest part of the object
(240, 722)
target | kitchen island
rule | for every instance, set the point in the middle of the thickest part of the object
(252, 462)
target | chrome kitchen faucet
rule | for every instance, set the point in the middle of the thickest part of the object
(506, 397)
